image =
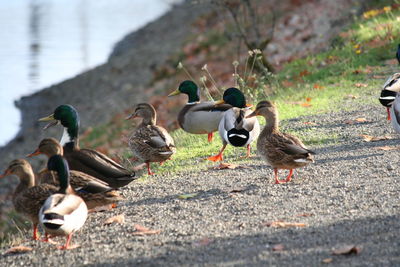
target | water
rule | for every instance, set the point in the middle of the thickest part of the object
(44, 42)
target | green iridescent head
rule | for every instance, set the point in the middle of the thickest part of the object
(68, 117)
(190, 88)
(58, 164)
(234, 97)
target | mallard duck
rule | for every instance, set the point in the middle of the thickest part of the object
(94, 192)
(234, 128)
(198, 117)
(88, 161)
(280, 150)
(28, 197)
(389, 96)
(63, 213)
(149, 142)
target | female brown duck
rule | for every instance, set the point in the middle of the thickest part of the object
(150, 142)
(280, 150)
(27, 197)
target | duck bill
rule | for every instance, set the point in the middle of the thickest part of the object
(249, 105)
(253, 114)
(49, 118)
(176, 92)
(132, 116)
(219, 102)
(35, 153)
(388, 113)
(6, 173)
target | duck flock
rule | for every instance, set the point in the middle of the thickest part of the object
(80, 179)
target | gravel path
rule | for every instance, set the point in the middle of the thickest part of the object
(350, 195)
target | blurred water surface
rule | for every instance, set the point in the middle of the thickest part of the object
(47, 41)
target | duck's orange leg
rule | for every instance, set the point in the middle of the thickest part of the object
(148, 169)
(388, 112)
(35, 230)
(218, 157)
(67, 246)
(210, 137)
(248, 151)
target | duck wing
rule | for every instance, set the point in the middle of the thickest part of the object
(100, 166)
(395, 114)
(393, 83)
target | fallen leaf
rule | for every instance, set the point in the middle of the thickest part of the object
(361, 85)
(305, 215)
(304, 73)
(350, 97)
(141, 230)
(223, 166)
(369, 138)
(278, 247)
(327, 260)
(386, 148)
(115, 219)
(358, 120)
(310, 123)
(346, 250)
(186, 196)
(237, 190)
(281, 224)
(361, 120)
(18, 249)
(317, 86)
(203, 242)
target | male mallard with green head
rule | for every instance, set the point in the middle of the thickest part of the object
(198, 117)
(63, 213)
(28, 197)
(280, 150)
(88, 161)
(234, 128)
(94, 192)
(150, 142)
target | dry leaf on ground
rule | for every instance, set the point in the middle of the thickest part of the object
(186, 196)
(281, 224)
(203, 242)
(310, 123)
(115, 219)
(278, 247)
(350, 97)
(223, 166)
(236, 190)
(386, 148)
(18, 249)
(141, 230)
(361, 85)
(358, 120)
(370, 138)
(327, 260)
(346, 250)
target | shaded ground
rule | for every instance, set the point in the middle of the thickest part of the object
(351, 194)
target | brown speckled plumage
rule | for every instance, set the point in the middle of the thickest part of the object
(149, 142)
(28, 197)
(280, 150)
